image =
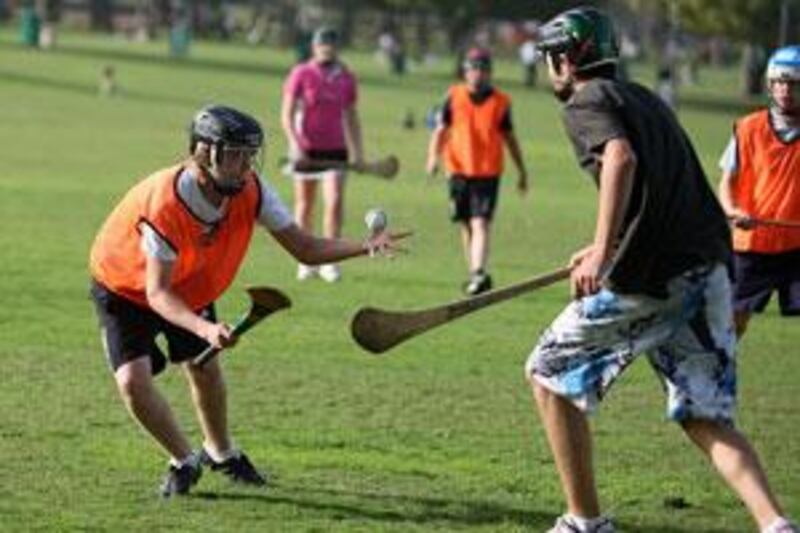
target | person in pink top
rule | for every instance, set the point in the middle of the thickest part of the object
(321, 123)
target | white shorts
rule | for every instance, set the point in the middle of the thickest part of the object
(689, 337)
(324, 172)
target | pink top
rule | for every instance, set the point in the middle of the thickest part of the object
(324, 94)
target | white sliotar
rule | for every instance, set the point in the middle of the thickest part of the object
(376, 220)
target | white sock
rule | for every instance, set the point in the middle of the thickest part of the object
(190, 459)
(776, 525)
(586, 524)
(221, 456)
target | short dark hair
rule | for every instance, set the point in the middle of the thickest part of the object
(605, 70)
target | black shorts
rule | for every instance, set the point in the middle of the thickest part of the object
(339, 156)
(129, 331)
(757, 276)
(472, 198)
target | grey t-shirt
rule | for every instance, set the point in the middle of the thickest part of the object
(674, 221)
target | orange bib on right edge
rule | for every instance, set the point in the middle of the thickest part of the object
(767, 185)
(474, 147)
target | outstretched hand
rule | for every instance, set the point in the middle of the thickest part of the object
(385, 243)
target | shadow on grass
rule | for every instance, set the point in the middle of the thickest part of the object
(88, 89)
(219, 66)
(397, 509)
(404, 509)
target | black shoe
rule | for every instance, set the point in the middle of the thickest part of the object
(179, 480)
(479, 282)
(239, 469)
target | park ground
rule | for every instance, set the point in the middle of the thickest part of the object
(437, 435)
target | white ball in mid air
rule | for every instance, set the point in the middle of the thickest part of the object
(376, 220)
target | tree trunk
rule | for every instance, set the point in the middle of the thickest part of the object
(754, 62)
(422, 32)
(101, 15)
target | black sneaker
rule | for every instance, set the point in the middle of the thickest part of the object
(239, 469)
(479, 282)
(179, 480)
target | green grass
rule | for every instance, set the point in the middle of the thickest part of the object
(438, 435)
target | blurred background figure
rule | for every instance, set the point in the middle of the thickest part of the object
(391, 47)
(760, 169)
(180, 31)
(475, 125)
(527, 57)
(29, 25)
(665, 86)
(108, 82)
(322, 127)
(527, 53)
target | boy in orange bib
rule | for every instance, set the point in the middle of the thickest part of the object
(475, 127)
(168, 250)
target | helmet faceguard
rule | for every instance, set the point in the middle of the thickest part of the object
(585, 35)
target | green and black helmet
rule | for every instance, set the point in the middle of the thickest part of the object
(584, 34)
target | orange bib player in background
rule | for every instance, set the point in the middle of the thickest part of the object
(761, 185)
(475, 127)
(168, 250)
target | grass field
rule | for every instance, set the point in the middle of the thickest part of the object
(438, 435)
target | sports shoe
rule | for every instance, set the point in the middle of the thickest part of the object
(330, 273)
(565, 524)
(478, 282)
(238, 468)
(782, 525)
(179, 479)
(305, 272)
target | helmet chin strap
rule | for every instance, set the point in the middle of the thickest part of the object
(226, 190)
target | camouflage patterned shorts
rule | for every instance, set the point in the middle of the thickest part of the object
(688, 336)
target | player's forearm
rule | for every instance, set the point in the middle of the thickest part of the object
(312, 250)
(333, 250)
(516, 152)
(287, 122)
(616, 183)
(354, 136)
(170, 306)
(435, 144)
(725, 192)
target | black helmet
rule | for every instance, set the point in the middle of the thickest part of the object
(224, 126)
(585, 34)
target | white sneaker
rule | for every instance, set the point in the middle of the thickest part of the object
(781, 525)
(565, 524)
(330, 273)
(305, 272)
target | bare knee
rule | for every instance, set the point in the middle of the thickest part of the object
(134, 380)
(541, 394)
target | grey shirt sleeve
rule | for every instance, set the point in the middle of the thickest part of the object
(273, 215)
(729, 162)
(155, 246)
